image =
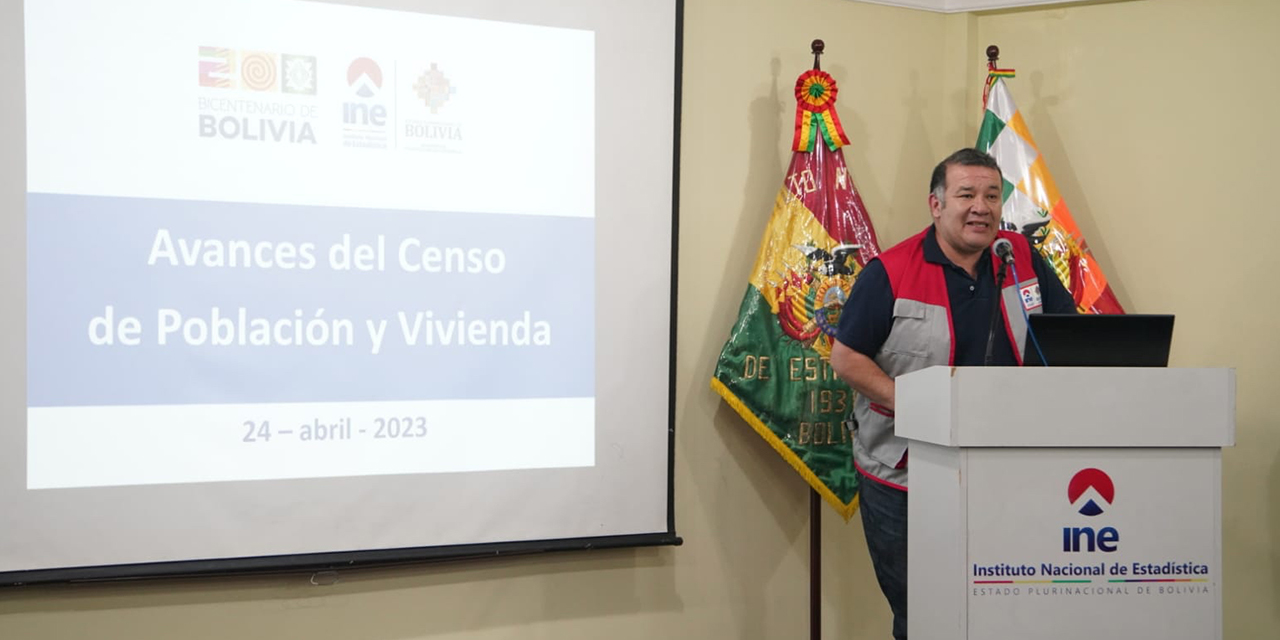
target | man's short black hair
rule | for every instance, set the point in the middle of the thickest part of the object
(966, 157)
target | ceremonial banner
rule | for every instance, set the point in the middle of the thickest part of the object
(1032, 204)
(774, 369)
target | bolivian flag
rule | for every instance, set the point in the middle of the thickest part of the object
(1032, 203)
(774, 369)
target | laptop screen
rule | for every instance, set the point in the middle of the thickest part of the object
(1069, 340)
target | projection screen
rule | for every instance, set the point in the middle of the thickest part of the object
(293, 284)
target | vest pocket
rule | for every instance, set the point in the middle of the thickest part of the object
(920, 337)
(876, 436)
(909, 336)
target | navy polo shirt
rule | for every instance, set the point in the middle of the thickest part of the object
(868, 313)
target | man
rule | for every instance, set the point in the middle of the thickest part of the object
(928, 301)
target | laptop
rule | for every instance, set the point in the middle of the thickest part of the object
(1069, 340)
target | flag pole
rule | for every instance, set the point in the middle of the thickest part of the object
(993, 57)
(815, 566)
(815, 500)
(993, 72)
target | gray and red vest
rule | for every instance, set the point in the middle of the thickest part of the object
(922, 336)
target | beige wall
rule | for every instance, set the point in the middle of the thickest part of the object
(1114, 93)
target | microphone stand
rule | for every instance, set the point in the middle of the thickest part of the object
(995, 308)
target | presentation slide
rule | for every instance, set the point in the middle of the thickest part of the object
(262, 280)
(319, 277)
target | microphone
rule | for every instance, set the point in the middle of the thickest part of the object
(1003, 250)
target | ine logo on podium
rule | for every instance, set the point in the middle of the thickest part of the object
(1091, 492)
(1094, 488)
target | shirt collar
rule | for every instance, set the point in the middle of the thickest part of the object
(933, 253)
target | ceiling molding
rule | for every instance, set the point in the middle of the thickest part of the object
(960, 6)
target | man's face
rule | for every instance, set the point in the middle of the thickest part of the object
(968, 219)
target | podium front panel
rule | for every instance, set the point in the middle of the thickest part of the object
(1093, 543)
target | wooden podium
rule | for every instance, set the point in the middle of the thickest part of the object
(1065, 503)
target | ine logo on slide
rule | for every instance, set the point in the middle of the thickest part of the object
(1091, 491)
(365, 121)
(365, 77)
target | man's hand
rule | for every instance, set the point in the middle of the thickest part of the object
(863, 374)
